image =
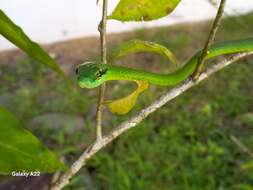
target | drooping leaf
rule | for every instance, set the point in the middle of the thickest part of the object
(143, 10)
(135, 46)
(124, 105)
(15, 34)
(22, 151)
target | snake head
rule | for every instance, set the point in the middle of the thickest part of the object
(91, 74)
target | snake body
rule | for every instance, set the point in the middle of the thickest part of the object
(93, 74)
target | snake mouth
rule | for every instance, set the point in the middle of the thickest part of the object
(86, 84)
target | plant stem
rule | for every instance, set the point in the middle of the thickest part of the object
(241, 145)
(102, 30)
(210, 40)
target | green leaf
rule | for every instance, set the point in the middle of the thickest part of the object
(15, 34)
(124, 105)
(135, 46)
(20, 150)
(143, 10)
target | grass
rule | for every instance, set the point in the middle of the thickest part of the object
(185, 145)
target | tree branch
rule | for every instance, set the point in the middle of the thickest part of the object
(210, 40)
(135, 120)
(102, 30)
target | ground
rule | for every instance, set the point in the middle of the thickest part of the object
(187, 144)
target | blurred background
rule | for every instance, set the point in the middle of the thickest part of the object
(200, 141)
(49, 21)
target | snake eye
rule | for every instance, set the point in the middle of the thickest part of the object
(77, 69)
(100, 73)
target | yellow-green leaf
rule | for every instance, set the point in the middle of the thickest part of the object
(124, 105)
(22, 151)
(15, 34)
(143, 10)
(135, 46)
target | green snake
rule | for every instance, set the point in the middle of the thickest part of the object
(93, 74)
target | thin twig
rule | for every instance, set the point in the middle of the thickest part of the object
(241, 145)
(102, 30)
(210, 40)
(135, 120)
(234, 16)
